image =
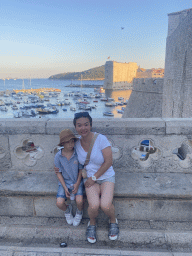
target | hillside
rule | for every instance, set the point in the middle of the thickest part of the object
(97, 73)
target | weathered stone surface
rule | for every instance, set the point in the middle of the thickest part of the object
(178, 126)
(16, 206)
(145, 100)
(5, 157)
(32, 183)
(55, 126)
(29, 126)
(177, 90)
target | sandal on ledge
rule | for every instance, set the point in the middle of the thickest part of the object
(113, 230)
(91, 233)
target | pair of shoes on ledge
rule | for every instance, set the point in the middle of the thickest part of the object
(73, 220)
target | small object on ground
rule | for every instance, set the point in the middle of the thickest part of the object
(63, 244)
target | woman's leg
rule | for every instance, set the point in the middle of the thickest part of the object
(93, 194)
(107, 191)
(61, 204)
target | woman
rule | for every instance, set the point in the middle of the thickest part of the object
(100, 181)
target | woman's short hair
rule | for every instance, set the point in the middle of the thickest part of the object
(82, 114)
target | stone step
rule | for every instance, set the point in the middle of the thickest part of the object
(138, 196)
(31, 231)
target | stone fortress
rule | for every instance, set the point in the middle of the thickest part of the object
(120, 76)
(152, 158)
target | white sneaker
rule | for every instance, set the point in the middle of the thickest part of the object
(78, 217)
(68, 215)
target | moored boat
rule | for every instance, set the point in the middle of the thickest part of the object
(108, 114)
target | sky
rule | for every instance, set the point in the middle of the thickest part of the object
(40, 38)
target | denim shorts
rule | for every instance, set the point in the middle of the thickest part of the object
(61, 191)
(110, 179)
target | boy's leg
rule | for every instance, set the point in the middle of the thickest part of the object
(61, 204)
(79, 202)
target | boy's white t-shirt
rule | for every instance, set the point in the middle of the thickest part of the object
(96, 158)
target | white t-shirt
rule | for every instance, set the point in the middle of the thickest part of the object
(96, 158)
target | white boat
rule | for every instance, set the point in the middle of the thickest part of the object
(17, 114)
(120, 111)
(2, 103)
(14, 107)
(110, 99)
(110, 104)
(103, 99)
(108, 114)
(72, 108)
(3, 108)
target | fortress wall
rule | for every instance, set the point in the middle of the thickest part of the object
(146, 98)
(177, 92)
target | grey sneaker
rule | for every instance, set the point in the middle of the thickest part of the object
(78, 217)
(68, 215)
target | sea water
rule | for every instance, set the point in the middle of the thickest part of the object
(20, 84)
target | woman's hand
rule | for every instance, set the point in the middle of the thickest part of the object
(89, 182)
(56, 169)
(75, 188)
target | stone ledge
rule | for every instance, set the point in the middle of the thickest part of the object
(164, 197)
(127, 126)
(128, 185)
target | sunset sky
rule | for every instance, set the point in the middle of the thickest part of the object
(40, 38)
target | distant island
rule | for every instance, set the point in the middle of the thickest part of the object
(97, 73)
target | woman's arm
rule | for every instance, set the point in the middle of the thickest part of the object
(108, 160)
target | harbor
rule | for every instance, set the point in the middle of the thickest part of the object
(61, 101)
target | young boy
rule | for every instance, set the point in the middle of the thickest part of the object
(67, 170)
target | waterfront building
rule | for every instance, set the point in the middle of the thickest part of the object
(118, 75)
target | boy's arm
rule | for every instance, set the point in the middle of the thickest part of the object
(76, 185)
(61, 179)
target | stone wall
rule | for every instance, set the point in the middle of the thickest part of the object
(146, 99)
(152, 159)
(177, 91)
(29, 145)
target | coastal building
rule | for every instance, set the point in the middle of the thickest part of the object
(150, 73)
(119, 75)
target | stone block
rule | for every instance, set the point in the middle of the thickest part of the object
(28, 183)
(22, 126)
(131, 126)
(5, 157)
(55, 126)
(178, 126)
(16, 206)
(46, 207)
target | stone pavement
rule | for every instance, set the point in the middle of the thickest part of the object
(44, 251)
